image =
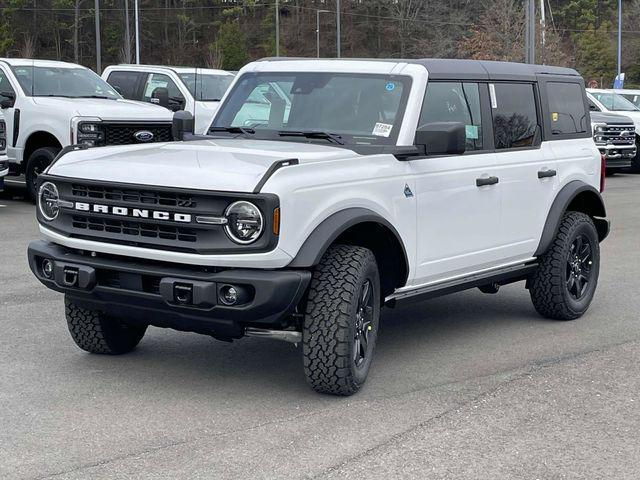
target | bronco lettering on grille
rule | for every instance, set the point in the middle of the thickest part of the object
(133, 212)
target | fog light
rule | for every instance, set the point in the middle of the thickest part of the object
(47, 268)
(229, 295)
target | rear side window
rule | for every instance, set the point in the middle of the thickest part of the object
(455, 102)
(515, 119)
(566, 108)
(125, 83)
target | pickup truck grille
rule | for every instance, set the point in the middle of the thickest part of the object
(619, 135)
(161, 218)
(124, 134)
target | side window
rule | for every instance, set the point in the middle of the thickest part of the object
(161, 90)
(515, 119)
(566, 108)
(125, 83)
(454, 102)
(5, 85)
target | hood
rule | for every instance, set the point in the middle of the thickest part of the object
(232, 165)
(635, 116)
(106, 109)
(610, 118)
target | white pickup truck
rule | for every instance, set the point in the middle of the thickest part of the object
(195, 90)
(50, 105)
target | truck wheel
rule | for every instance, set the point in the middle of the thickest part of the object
(341, 320)
(36, 164)
(94, 332)
(564, 283)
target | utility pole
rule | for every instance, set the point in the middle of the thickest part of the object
(530, 32)
(318, 12)
(127, 33)
(542, 31)
(338, 26)
(277, 28)
(137, 33)
(98, 56)
(619, 38)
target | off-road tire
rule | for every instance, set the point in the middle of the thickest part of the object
(95, 333)
(330, 320)
(548, 286)
(36, 163)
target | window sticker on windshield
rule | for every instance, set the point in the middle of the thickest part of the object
(471, 132)
(390, 86)
(382, 130)
(554, 116)
(492, 94)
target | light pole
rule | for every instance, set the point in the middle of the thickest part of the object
(338, 25)
(619, 38)
(137, 34)
(277, 28)
(98, 57)
(318, 12)
(127, 34)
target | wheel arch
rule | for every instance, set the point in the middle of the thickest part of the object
(365, 228)
(39, 139)
(574, 196)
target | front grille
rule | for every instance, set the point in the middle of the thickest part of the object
(135, 229)
(612, 135)
(133, 196)
(123, 134)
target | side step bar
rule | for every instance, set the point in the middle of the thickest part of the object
(290, 336)
(501, 276)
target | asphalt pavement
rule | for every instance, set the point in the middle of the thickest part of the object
(464, 386)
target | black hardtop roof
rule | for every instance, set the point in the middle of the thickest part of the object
(444, 68)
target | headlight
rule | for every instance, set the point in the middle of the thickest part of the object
(91, 134)
(599, 128)
(48, 201)
(244, 222)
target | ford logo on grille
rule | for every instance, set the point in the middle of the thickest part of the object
(143, 135)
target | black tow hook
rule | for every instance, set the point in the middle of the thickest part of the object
(183, 293)
(70, 276)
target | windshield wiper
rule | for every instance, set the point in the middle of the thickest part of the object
(96, 96)
(331, 137)
(241, 130)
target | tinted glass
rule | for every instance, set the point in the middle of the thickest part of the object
(5, 86)
(361, 108)
(615, 102)
(566, 108)
(455, 102)
(633, 98)
(514, 114)
(160, 88)
(125, 83)
(62, 82)
(209, 87)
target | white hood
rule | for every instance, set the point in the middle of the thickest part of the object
(233, 165)
(106, 109)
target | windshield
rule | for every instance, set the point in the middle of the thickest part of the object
(633, 98)
(62, 82)
(362, 109)
(615, 102)
(209, 88)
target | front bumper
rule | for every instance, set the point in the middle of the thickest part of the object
(146, 292)
(617, 157)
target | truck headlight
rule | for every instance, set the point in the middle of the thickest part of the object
(90, 134)
(244, 222)
(48, 201)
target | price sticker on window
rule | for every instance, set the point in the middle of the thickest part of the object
(382, 129)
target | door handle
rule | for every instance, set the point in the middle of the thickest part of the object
(546, 173)
(481, 182)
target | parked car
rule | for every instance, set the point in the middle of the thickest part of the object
(174, 88)
(608, 101)
(383, 182)
(615, 137)
(632, 95)
(50, 105)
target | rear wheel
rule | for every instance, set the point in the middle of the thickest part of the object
(565, 282)
(341, 320)
(96, 333)
(37, 163)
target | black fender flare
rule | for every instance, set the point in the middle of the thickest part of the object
(560, 205)
(331, 227)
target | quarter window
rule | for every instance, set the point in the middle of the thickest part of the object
(455, 102)
(515, 119)
(566, 108)
(125, 83)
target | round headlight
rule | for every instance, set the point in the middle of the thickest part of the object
(244, 222)
(48, 201)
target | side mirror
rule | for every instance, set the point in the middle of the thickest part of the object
(8, 99)
(442, 138)
(182, 123)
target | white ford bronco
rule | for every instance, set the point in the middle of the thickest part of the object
(50, 105)
(323, 191)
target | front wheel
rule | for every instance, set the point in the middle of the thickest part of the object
(565, 282)
(341, 320)
(37, 163)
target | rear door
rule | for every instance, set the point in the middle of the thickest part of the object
(127, 83)
(9, 115)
